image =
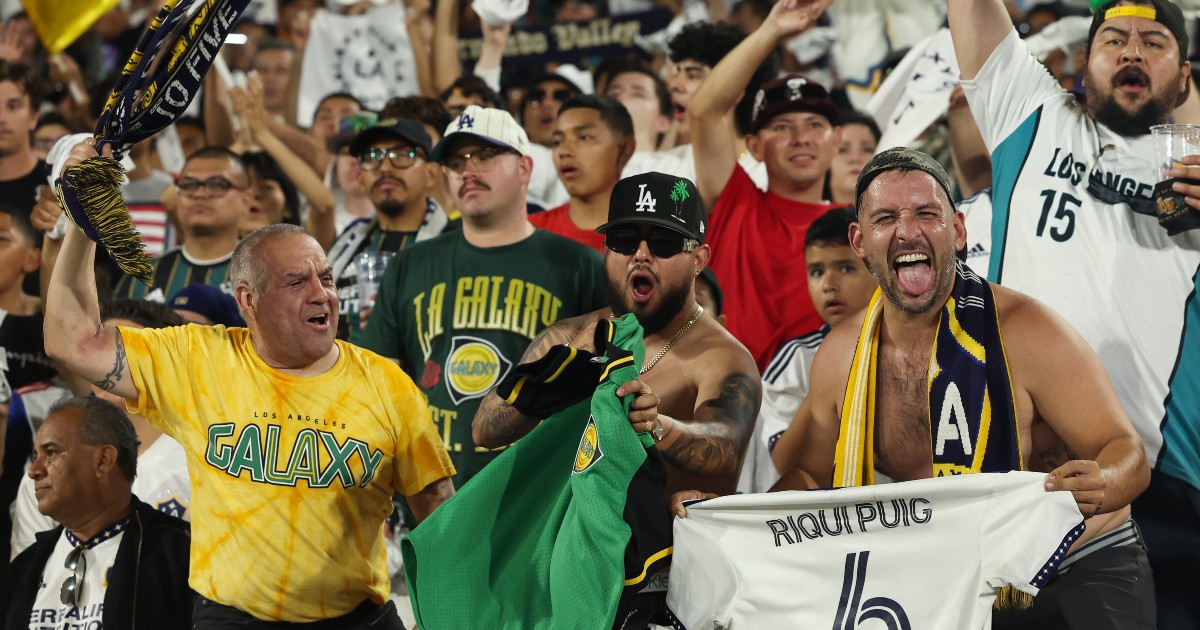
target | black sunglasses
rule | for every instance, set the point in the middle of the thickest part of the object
(561, 95)
(1100, 190)
(72, 587)
(662, 243)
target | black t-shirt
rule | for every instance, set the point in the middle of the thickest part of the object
(24, 348)
(21, 193)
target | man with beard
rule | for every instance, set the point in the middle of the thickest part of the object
(395, 171)
(704, 383)
(1003, 406)
(214, 197)
(1075, 227)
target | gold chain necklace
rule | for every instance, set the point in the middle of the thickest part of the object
(671, 343)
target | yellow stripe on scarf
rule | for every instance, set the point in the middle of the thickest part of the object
(974, 348)
(854, 459)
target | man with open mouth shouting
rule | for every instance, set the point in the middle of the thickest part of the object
(295, 441)
(699, 390)
(933, 391)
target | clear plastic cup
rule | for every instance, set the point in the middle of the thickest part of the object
(370, 266)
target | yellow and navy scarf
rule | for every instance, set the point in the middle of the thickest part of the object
(156, 85)
(972, 418)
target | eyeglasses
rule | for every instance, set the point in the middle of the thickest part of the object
(72, 587)
(44, 144)
(483, 160)
(662, 243)
(372, 159)
(537, 96)
(215, 186)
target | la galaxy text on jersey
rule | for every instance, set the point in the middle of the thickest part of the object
(458, 317)
(492, 303)
(488, 303)
(293, 474)
(838, 520)
(315, 456)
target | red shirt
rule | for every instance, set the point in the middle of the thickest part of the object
(757, 241)
(557, 220)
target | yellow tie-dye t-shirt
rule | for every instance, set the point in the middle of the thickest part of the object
(291, 476)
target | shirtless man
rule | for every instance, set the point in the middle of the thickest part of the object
(700, 391)
(1070, 416)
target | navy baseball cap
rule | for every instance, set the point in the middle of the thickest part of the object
(214, 304)
(397, 128)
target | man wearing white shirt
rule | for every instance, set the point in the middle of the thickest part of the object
(162, 481)
(115, 562)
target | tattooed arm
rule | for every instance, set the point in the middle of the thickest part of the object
(428, 499)
(75, 336)
(714, 441)
(498, 423)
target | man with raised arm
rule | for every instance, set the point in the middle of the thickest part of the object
(758, 237)
(1074, 226)
(296, 442)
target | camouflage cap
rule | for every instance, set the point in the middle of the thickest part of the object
(904, 159)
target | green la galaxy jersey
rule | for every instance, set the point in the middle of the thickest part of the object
(459, 317)
(564, 523)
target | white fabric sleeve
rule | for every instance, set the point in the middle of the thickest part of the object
(785, 384)
(703, 583)
(1025, 531)
(1008, 88)
(490, 76)
(784, 387)
(27, 521)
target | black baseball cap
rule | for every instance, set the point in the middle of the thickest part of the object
(791, 93)
(399, 128)
(1162, 11)
(658, 199)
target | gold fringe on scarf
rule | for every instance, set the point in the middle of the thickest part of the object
(1010, 598)
(96, 184)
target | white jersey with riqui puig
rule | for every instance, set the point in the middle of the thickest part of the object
(931, 553)
(1113, 273)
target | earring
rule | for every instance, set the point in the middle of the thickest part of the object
(696, 271)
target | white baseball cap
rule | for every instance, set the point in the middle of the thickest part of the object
(492, 125)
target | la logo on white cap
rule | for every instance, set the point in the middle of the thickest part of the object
(465, 121)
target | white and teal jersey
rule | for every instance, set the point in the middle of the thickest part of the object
(1113, 273)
